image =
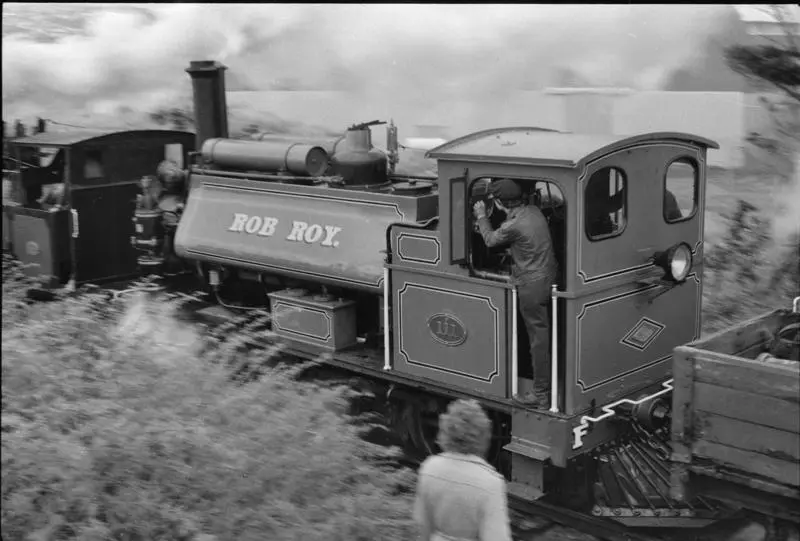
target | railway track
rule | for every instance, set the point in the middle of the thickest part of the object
(598, 528)
(531, 520)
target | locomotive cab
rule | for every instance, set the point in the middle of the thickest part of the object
(626, 219)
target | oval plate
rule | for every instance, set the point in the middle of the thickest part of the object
(447, 329)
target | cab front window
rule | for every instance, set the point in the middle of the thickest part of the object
(606, 204)
(680, 191)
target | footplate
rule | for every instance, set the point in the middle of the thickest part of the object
(633, 482)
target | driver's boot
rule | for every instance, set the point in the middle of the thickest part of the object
(539, 398)
(541, 394)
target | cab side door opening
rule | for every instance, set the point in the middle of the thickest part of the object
(548, 197)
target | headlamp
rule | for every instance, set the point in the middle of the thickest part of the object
(676, 261)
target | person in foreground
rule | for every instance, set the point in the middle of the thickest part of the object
(460, 496)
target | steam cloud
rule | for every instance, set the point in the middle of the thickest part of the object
(132, 57)
(413, 53)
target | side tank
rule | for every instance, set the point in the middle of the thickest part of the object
(315, 233)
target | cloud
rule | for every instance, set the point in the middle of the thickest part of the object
(137, 57)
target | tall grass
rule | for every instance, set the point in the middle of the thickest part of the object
(116, 426)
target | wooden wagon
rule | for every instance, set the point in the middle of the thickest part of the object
(736, 418)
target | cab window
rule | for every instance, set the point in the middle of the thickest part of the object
(93, 165)
(174, 153)
(29, 179)
(49, 156)
(680, 191)
(606, 204)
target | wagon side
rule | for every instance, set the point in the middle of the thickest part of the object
(736, 420)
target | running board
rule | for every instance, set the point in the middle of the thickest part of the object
(633, 486)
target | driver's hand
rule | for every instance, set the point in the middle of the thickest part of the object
(479, 209)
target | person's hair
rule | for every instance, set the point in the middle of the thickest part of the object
(465, 428)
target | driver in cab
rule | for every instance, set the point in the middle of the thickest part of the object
(525, 231)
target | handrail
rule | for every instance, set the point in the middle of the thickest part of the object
(514, 352)
(506, 278)
(387, 352)
(554, 350)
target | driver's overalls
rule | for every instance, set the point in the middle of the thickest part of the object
(534, 269)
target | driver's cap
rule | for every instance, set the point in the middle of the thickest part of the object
(505, 189)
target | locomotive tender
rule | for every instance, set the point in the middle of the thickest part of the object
(68, 199)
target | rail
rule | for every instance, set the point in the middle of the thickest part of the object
(412, 177)
(486, 275)
(602, 528)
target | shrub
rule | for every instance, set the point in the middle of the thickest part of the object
(749, 272)
(115, 425)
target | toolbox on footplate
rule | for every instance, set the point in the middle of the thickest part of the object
(324, 321)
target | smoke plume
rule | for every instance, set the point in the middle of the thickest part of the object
(132, 57)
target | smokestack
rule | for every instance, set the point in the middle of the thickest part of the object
(210, 109)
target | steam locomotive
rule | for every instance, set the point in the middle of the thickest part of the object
(387, 275)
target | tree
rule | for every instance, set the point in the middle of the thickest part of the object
(774, 65)
(176, 117)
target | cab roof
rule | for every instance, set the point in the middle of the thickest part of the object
(543, 147)
(81, 136)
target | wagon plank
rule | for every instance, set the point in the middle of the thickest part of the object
(776, 381)
(782, 471)
(745, 479)
(748, 407)
(746, 436)
(744, 336)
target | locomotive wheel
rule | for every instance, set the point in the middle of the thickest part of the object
(416, 423)
(781, 530)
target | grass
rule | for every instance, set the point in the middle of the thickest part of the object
(116, 428)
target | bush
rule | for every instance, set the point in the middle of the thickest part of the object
(115, 425)
(749, 272)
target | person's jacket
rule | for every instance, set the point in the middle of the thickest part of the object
(461, 497)
(526, 231)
